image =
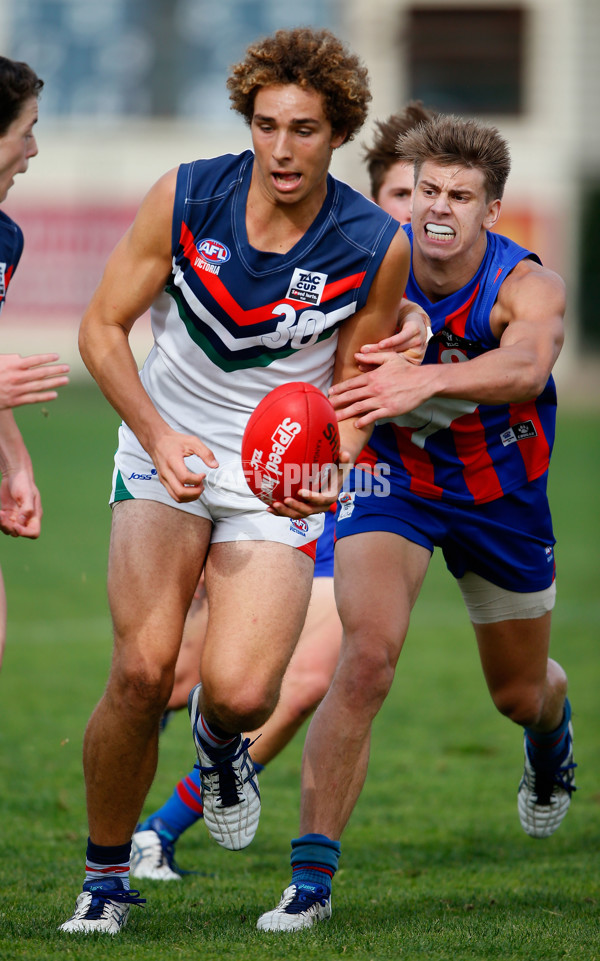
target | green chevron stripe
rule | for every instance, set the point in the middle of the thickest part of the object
(232, 363)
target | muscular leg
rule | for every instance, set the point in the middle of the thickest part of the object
(375, 620)
(530, 688)
(258, 594)
(305, 682)
(525, 684)
(306, 679)
(308, 675)
(187, 669)
(156, 554)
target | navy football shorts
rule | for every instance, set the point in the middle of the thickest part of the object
(324, 559)
(508, 541)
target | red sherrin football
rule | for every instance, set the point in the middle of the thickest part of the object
(291, 435)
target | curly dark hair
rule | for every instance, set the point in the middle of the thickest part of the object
(383, 153)
(18, 83)
(450, 140)
(310, 58)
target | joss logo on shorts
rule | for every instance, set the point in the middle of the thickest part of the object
(212, 251)
(152, 475)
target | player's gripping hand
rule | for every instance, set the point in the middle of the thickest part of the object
(169, 454)
(310, 502)
(20, 504)
(391, 388)
(30, 380)
(411, 337)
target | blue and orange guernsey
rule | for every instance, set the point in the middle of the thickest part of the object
(11, 248)
(234, 322)
(457, 451)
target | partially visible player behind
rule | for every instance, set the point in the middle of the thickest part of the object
(391, 178)
(23, 380)
(309, 673)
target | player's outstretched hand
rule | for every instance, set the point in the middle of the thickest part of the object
(177, 460)
(392, 387)
(20, 505)
(30, 380)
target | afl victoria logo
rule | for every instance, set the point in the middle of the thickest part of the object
(299, 525)
(213, 251)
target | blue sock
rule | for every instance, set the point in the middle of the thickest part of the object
(548, 749)
(314, 861)
(183, 809)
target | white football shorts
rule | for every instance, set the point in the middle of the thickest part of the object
(227, 501)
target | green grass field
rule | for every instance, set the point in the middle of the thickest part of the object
(434, 864)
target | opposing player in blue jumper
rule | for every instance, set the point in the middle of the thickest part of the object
(467, 437)
(215, 253)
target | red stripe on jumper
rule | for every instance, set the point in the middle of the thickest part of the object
(418, 464)
(457, 321)
(479, 472)
(257, 315)
(534, 450)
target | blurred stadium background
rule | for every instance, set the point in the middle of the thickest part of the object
(134, 87)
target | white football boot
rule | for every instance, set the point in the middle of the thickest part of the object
(230, 792)
(301, 906)
(153, 856)
(103, 905)
(545, 794)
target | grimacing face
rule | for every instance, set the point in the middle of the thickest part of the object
(17, 146)
(450, 211)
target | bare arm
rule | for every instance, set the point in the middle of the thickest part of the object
(20, 504)
(377, 319)
(527, 318)
(135, 274)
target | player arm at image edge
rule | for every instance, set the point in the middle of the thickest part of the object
(135, 275)
(376, 321)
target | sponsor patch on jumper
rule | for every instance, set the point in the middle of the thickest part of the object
(307, 286)
(518, 432)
